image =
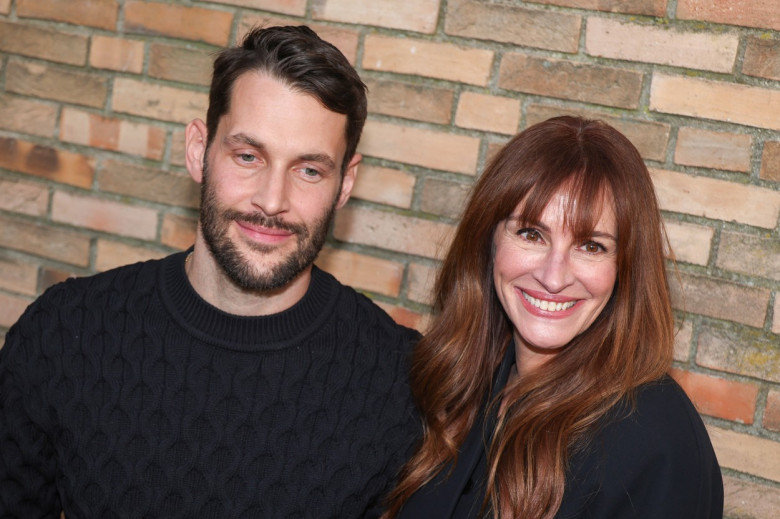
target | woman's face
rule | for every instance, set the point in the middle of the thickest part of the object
(551, 285)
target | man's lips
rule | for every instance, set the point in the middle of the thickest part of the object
(262, 233)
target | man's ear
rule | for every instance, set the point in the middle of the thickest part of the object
(348, 182)
(196, 137)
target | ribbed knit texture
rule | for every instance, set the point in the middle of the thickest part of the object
(127, 395)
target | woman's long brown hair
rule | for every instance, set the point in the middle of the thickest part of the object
(548, 414)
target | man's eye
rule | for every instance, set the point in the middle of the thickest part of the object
(246, 157)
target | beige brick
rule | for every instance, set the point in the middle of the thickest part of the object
(30, 198)
(104, 215)
(44, 240)
(43, 161)
(27, 116)
(158, 102)
(719, 397)
(720, 299)
(718, 199)
(178, 231)
(648, 7)
(542, 29)
(11, 308)
(5, 6)
(444, 198)
(421, 280)
(682, 340)
(384, 185)
(178, 21)
(178, 63)
(362, 272)
(570, 80)
(771, 419)
(427, 148)
(650, 138)
(148, 184)
(746, 453)
(42, 42)
(488, 113)
(719, 100)
(739, 351)
(93, 13)
(750, 13)
(770, 161)
(709, 149)
(392, 231)
(612, 38)
(35, 79)
(405, 317)
(113, 134)
(749, 500)
(118, 54)
(418, 16)
(111, 254)
(291, 7)
(19, 277)
(776, 315)
(690, 243)
(418, 102)
(429, 59)
(750, 254)
(51, 276)
(177, 148)
(762, 57)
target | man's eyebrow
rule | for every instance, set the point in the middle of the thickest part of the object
(320, 158)
(242, 138)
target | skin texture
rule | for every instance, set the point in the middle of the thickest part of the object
(545, 261)
(272, 177)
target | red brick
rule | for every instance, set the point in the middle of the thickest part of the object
(384, 186)
(177, 148)
(177, 21)
(104, 215)
(27, 116)
(148, 184)
(50, 82)
(421, 280)
(690, 243)
(720, 299)
(30, 198)
(418, 16)
(5, 6)
(746, 453)
(738, 350)
(750, 13)
(178, 231)
(570, 80)
(488, 113)
(776, 316)
(772, 411)
(717, 150)
(750, 500)
(44, 240)
(552, 30)
(42, 42)
(417, 102)
(51, 276)
(682, 340)
(182, 64)
(443, 197)
(93, 13)
(111, 254)
(43, 161)
(770, 161)
(19, 277)
(757, 256)
(157, 101)
(118, 54)
(406, 317)
(362, 272)
(714, 396)
(291, 7)
(648, 7)
(113, 134)
(762, 57)
(11, 308)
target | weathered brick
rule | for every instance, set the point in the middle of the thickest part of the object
(19, 277)
(148, 184)
(429, 59)
(30, 198)
(744, 352)
(178, 21)
(719, 100)
(418, 16)
(392, 231)
(27, 116)
(118, 54)
(749, 500)
(291, 7)
(418, 102)
(44, 240)
(113, 134)
(51, 276)
(431, 149)
(178, 231)
(111, 254)
(717, 150)
(682, 340)
(488, 113)
(405, 317)
(384, 185)
(542, 29)
(690, 242)
(746, 453)
(43, 161)
(776, 315)
(771, 419)
(714, 396)
(718, 199)
(42, 42)
(93, 13)
(444, 198)
(157, 101)
(719, 299)
(770, 161)
(35, 79)
(650, 138)
(749, 254)
(570, 80)
(5, 6)
(11, 308)
(104, 215)
(178, 146)
(178, 63)
(362, 272)
(420, 280)
(750, 13)
(611, 38)
(762, 57)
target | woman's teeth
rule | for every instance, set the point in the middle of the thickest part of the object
(550, 306)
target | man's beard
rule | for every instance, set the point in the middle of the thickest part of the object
(215, 223)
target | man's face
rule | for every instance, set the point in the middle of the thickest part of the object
(271, 182)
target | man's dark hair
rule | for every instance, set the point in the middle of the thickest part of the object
(299, 58)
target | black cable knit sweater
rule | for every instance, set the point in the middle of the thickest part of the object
(127, 395)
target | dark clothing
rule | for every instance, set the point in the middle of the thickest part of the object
(127, 395)
(655, 462)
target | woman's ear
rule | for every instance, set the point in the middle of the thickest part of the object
(196, 137)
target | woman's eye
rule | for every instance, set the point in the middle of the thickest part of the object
(530, 234)
(592, 247)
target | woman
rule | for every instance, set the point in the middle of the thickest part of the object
(542, 382)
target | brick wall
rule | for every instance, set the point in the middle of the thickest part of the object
(94, 95)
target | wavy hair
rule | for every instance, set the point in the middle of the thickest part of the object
(546, 415)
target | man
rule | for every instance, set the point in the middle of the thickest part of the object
(236, 379)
